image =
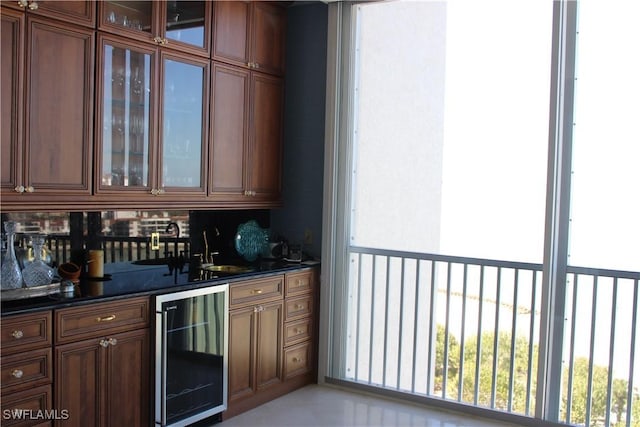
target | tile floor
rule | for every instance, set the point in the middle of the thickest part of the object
(326, 405)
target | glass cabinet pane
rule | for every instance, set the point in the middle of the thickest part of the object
(185, 22)
(182, 125)
(126, 117)
(133, 15)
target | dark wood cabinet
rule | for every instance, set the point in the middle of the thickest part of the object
(250, 35)
(26, 365)
(45, 151)
(246, 147)
(102, 363)
(81, 12)
(181, 25)
(104, 381)
(152, 121)
(272, 338)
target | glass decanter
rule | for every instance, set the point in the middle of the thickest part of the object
(10, 275)
(37, 272)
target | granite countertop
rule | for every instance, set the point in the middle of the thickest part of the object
(126, 279)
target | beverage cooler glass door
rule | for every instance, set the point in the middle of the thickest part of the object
(191, 355)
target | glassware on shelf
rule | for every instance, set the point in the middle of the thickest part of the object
(37, 273)
(10, 275)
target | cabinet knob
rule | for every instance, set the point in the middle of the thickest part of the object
(256, 65)
(164, 42)
(23, 3)
(299, 307)
(29, 189)
(256, 291)
(158, 39)
(17, 334)
(104, 343)
(19, 189)
(33, 5)
(113, 341)
(296, 360)
(17, 373)
(258, 309)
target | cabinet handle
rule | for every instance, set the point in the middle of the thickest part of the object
(23, 3)
(300, 283)
(17, 334)
(164, 42)
(113, 341)
(104, 343)
(157, 39)
(256, 291)
(106, 319)
(299, 306)
(160, 191)
(256, 65)
(19, 189)
(296, 360)
(29, 189)
(250, 64)
(258, 309)
(17, 373)
(33, 5)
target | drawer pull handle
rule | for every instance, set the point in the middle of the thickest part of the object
(17, 373)
(17, 334)
(256, 291)
(106, 319)
(296, 360)
(298, 331)
(299, 306)
(300, 283)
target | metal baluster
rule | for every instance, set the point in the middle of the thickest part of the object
(445, 367)
(401, 321)
(433, 330)
(415, 325)
(614, 300)
(574, 313)
(476, 391)
(512, 356)
(632, 352)
(496, 334)
(386, 324)
(532, 315)
(594, 303)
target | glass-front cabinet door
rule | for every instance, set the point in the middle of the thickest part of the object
(184, 115)
(187, 26)
(125, 134)
(177, 24)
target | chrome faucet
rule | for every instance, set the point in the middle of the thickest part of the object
(173, 225)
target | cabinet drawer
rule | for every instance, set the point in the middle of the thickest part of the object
(26, 369)
(296, 308)
(25, 332)
(33, 400)
(299, 283)
(94, 320)
(297, 331)
(249, 292)
(298, 360)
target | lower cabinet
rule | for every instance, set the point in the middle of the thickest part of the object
(255, 350)
(105, 381)
(272, 334)
(102, 374)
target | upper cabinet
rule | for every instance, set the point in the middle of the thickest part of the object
(181, 25)
(250, 35)
(246, 148)
(48, 69)
(152, 121)
(77, 12)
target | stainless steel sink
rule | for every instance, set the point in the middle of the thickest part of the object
(227, 269)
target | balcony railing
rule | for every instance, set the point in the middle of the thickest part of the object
(121, 249)
(467, 330)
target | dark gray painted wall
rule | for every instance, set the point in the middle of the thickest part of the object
(304, 115)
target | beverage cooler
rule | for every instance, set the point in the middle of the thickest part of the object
(191, 355)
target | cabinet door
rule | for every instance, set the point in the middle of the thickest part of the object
(11, 100)
(184, 123)
(125, 114)
(79, 383)
(187, 26)
(78, 12)
(268, 38)
(265, 146)
(135, 19)
(127, 373)
(229, 128)
(231, 32)
(242, 353)
(59, 105)
(269, 345)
